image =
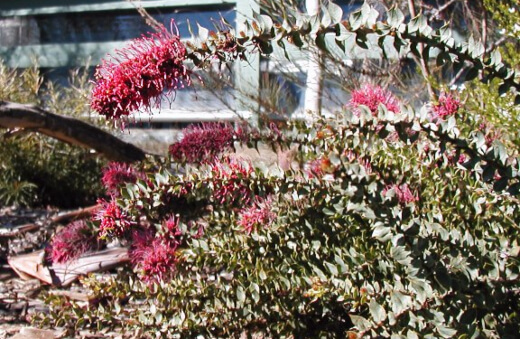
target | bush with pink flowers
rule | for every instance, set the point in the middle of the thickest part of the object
(402, 221)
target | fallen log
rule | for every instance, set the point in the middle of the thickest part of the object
(30, 266)
(67, 129)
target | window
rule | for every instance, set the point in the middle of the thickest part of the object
(103, 26)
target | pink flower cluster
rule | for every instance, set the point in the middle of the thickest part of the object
(171, 232)
(154, 257)
(71, 242)
(114, 222)
(259, 214)
(452, 159)
(141, 73)
(402, 192)
(229, 186)
(117, 174)
(202, 143)
(447, 105)
(372, 96)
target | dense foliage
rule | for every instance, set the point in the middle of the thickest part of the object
(392, 221)
(36, 170)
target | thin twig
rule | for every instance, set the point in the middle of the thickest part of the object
(422, 61)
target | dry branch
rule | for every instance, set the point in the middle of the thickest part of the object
(62, 217)
(67, 129)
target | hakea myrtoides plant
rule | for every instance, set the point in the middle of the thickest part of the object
(140, 75)
(386, 238)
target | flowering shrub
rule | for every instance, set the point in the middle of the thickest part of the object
(382, 233)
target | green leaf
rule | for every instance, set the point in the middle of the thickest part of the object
(401, 255)
(203, 32)
(504, 88)
(445, 332)
(361, 40)
(382, 233)
(489, 173)
(325, 18)
(411, 335)
(255, 292)
(398, 42)
(495, 58)
(241, 295)
(332, 268)
(361, 323)
(445, 33)
(517, 99)
(320, 42)
(341, 263)
(395, 17)
(499, 151)
(500, 185)
(356, 20)
(381, 44)
(400, 302)
(377, 311)
(267, 23)
(422, 289)
(371, 17)
(335, 12)
(417, 24)
(319, 273)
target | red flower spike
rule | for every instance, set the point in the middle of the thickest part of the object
(229, 186)
(71, 242)
(202, 143)
(140, 74)
(372, 96)
(153, 257)
(171, 232)
(114, 222)
(257, 215)
(117, 174)
(447, 105)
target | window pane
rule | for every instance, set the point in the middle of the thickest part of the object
(103, 26)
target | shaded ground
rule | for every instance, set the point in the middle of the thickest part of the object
(19, 298)
(25, 231)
